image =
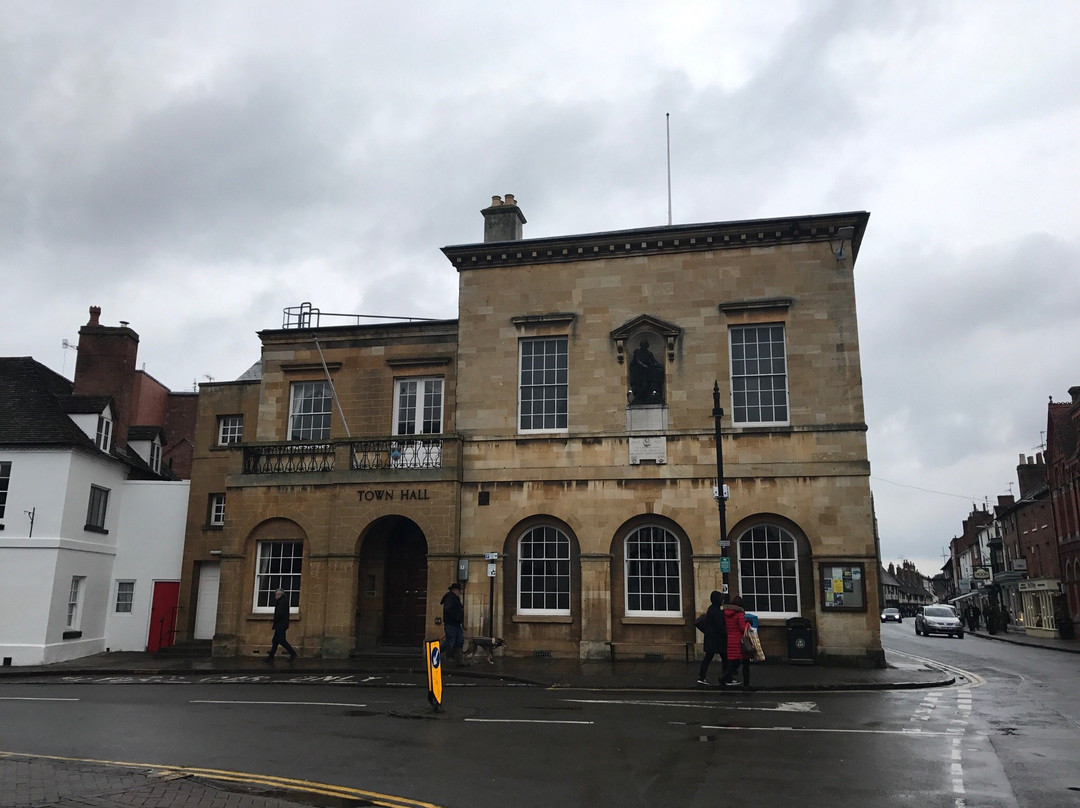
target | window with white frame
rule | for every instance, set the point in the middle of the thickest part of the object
(653, 573)
(5, 480)
(309, 411)
(544, 571)
(230, 429)
(277, 566)
(103, 440)
(759, 393)
(769, 571)
(155, 457)
(418, 406)
(217, 510)
(97, 508)
(74, 610)
(125, 597)
(542, 394)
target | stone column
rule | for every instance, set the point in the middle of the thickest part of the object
(595, 606)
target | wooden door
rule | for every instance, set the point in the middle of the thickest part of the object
(163, 615)
(405, 589)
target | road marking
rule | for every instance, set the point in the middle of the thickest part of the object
(297, 703)
(32, 698)
(781, 707)
(911, 732)
(308, 786)
(973, 679)
(522, 721)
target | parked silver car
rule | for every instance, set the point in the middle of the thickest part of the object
(938, 620)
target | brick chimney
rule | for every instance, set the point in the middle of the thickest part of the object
(1031, 474)
(503, 220)
(106, 367)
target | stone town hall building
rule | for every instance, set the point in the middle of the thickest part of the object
(563, 422)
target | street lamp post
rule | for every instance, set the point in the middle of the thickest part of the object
(721, 499)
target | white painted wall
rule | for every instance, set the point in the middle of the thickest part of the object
(150, 547)
(145, 524)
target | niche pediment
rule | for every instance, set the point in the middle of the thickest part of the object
(646, 322)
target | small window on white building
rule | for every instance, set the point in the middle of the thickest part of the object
(103, 440)
(97, 509)
(155, 456)
(74, 607)
(125, 596)
(5, 479)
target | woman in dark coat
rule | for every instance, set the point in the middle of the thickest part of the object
(715, 636)
(735, 620)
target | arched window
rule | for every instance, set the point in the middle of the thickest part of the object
(769, 571)
(653, 573)
(544, 571)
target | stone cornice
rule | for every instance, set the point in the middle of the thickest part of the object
(661, 240)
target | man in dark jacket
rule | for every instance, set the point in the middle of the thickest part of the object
(281, 625)
(453, 617)
(715, 631)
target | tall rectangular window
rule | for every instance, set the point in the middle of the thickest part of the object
(217, 510)
(544, 571)
(74, 602)
(277, 566)
(95, 511)
(418, 407)
(230, 429)
(5, 479)
(125, 596)
(104, 433)
(155, 457)
(542, 394)
(309, 411)
(759, 392)
(653, 572)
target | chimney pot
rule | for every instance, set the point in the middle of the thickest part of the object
(503, 220)
(1075, 393)
(95, 313)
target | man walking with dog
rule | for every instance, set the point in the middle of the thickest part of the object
(453, 617)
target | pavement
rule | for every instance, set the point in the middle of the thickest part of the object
(36, 781)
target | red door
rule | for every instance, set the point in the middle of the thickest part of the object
(163, 615)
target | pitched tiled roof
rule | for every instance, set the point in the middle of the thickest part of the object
(31, 410)
(80, 405)
(145, 433)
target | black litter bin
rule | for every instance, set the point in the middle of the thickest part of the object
(800, 641)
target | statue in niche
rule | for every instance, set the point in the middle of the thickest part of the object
(646, 377)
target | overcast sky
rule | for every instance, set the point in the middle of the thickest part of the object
(194, 168)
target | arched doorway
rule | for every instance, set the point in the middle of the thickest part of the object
(392, 603)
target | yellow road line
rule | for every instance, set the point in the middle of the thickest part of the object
(309, 786)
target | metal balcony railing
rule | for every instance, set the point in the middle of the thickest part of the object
(397, 454)
(364, 455)
(288, 458)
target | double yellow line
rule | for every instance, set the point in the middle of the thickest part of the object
(307, 786)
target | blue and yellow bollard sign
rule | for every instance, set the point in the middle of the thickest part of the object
(433, 652)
